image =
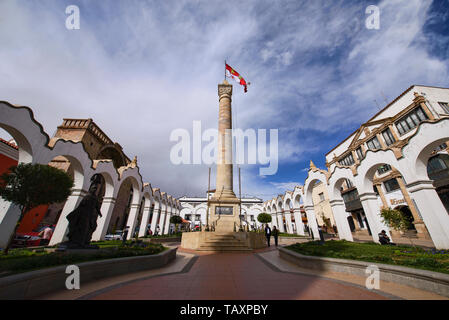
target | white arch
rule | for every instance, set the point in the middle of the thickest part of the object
(28, 133)
(148, 195)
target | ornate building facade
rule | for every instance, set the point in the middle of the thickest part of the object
(397, 159)
(82, 149)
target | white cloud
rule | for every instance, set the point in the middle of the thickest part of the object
(286, 186)
(144, 69)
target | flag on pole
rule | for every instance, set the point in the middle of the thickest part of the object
(237, 77)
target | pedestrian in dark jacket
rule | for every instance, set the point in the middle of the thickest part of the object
(125, 235)
(275, 235)
(268, 234)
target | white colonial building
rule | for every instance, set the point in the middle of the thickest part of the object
(194, 209)
(83, 149)
(398, 159)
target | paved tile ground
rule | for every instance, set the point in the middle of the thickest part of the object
(260, 275)
(181, 261)
(243, 276)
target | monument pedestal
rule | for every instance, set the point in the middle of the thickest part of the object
(225, 214)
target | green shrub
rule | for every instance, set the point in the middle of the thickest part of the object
(372, 252)
(27, 260)
(264, 218)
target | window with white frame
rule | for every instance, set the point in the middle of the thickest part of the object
(388, 137)
(373, 144)
(410, 120)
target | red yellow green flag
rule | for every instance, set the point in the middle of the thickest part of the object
(237, 77)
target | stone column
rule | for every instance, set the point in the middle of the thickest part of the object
(372, 213)
(340, 216)
(418, 222)
(432, 211)
(381, 141)
(224, 185)
(393, 132)
(132, 219)
(145, 219)
(311, 221)
(298, 222)
(62, 226)
(288, 221)
(107, 207)
(156, 213)
(381, 194)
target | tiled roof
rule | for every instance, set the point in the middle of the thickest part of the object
(9, 144)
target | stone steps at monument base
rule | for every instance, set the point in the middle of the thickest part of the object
(221, 244)
(224, 248)
(222, 239)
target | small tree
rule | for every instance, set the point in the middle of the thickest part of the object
(264, 218)
(395, 220)
(176, 220)
(31, 185)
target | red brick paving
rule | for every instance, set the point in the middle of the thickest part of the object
(239, 276)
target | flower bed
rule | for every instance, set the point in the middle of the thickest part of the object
(21, 260)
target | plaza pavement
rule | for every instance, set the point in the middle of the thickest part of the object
(261, 275)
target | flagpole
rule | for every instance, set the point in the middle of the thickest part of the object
(225, 70)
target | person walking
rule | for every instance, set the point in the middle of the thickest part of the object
(125, 235)
(275, 235)
(268, 234)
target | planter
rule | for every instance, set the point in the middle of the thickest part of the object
(34, 284)
(421, 279)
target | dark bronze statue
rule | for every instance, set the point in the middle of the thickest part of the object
(83, 220)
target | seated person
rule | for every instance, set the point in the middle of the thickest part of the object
(384, 239)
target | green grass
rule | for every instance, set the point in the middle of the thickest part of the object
(22, 260)
(174, 235)
(283, 234)
(433, 260)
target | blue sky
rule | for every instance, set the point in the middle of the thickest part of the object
(143, 68)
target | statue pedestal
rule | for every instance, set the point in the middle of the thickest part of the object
(223, 241)
(224, 214)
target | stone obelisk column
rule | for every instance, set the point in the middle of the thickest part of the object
(224, 184)
(224, 205)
